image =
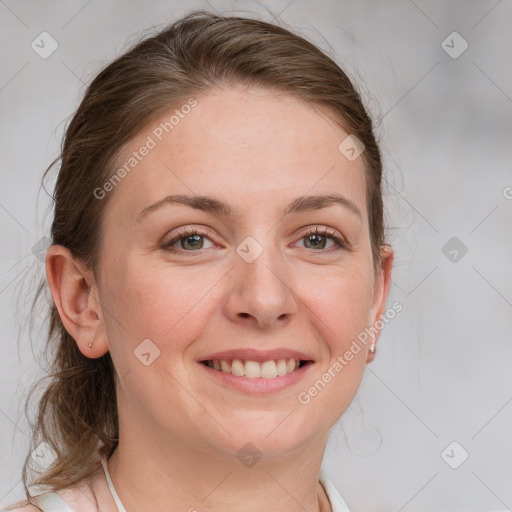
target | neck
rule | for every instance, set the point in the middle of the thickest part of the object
(150, 473)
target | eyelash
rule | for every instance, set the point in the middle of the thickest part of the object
(340, 243)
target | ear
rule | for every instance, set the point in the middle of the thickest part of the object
(380, 295)
(74, 292)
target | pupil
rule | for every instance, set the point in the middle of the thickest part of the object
(317, 242)
(195, 238)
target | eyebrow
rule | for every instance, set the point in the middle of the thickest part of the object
(212, 205)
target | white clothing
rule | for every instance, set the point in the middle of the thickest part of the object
(53, 502)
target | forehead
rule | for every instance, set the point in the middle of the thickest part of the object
(239, 145)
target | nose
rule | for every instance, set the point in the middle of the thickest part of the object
(261, 292)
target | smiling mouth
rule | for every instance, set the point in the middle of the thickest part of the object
(255, 369)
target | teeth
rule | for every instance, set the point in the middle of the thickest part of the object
(224, 366)
(237, 368)
(268, 370)
(254, 369)
(281, 367)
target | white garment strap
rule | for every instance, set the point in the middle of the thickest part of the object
(51, 502)
(337, 502)
(120, 506)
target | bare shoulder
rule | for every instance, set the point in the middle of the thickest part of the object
(44, 502)
(82, 496)
(20, 506)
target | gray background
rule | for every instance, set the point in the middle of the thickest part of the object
(442, 371)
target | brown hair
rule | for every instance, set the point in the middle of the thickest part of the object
(77, 414)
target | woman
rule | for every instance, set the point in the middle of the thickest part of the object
(218, 251)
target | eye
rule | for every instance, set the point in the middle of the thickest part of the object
(317, 239)
(193, 240)
(188, 240)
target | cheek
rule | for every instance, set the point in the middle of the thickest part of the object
(345, 317)
(166, 305)
(342, 302)
(340, 314)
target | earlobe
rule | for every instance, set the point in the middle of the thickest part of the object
(74, 292)
(381, 291)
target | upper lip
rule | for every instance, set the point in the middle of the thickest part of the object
(257, 355)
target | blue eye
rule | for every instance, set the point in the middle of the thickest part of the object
(190, 241)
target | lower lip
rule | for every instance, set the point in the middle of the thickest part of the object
(258, 386)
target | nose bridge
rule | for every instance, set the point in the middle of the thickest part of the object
(261, 281)
(262, 271)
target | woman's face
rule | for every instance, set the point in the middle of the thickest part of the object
(247, 281)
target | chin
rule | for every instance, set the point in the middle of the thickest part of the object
(267, 435)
